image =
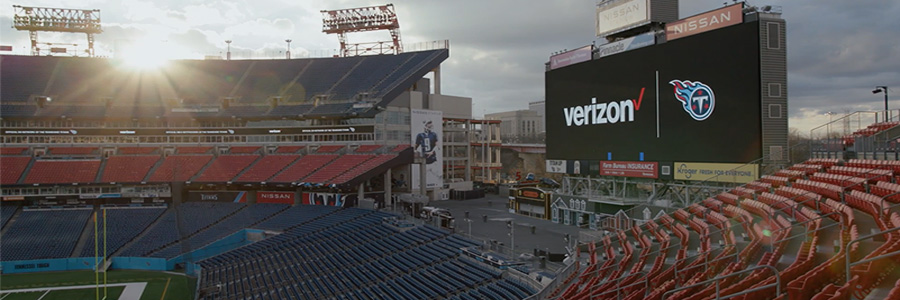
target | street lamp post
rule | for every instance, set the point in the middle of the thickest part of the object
(879, 89)
(288, 53)
(512, 237)
(228, 54)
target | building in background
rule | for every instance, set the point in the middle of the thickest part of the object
(521, 126)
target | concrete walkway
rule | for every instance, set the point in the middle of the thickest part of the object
(547, 235)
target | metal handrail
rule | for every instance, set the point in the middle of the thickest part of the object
(862, 238)
(774, 270)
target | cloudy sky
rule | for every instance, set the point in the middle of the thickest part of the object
(838, 50)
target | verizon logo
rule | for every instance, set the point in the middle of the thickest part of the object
(603, 113)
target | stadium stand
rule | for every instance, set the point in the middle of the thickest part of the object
(12, 150)
(39, 234)
(329, 148)
(267, 167)
(128, 168)
(124, 224)
(72, 150)
(784, 220)
(137, 150)
(303, 168)
(194, 150)
(226, 167)
(6, 212)
(179, 168)
(368, 148)
(244, 149)
(184, 220)
(350, 253)
(295, 216)
(358, 169)
(63, 171)
(340, 165)
(13, 167)
(289, 149)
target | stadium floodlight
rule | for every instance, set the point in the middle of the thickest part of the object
(879, 89)
(228, 53)
(372, 18)
(34, 19)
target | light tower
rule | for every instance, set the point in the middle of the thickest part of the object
(372, 18)
(228, 53)
(36, 19)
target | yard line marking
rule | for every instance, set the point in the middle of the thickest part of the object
(164, 289)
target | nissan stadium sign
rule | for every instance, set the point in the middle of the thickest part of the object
(618, 15)
(723, 17)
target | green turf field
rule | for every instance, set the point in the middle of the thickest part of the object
(159, 285)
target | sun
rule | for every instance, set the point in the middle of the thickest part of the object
(148, 54)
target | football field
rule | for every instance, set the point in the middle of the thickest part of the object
(126, 285)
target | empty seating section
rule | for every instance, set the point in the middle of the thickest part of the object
(78, 83)
(137, 150)
(180, 223)
(37, 234)
(6, 212)
(244, 149)
(798, 220)
(242, 219)
(295, 215)
(349, 254)
(226, 167)
(368, 148)
(362, 168)
(128, 168)
(303, 167)
(339, 166)
(288, 149)
(329, 148)
(12, 150)
(193, 150)
(179, 168)
(13, 167)
(266, 167)
(72, 150)
(123, 225)
(63, 171)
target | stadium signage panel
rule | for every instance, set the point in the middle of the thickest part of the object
(596, 111)
(635, 42)
(615, 16)
(572, 57)
(218, 196)
(640, 169)
(723, 17)
(275, 197)
(735, 173)
(556, 166)
(190, 131)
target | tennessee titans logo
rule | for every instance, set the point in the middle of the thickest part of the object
(696, 98)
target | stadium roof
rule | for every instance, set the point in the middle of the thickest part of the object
(99, 88)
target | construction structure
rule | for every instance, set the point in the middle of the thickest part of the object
(35, 19)
(372, 18)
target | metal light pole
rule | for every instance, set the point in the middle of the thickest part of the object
(512, 238)
(228, 54)
(879, 89)
(288, 53)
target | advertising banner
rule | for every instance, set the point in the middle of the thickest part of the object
(723, 17)
(615, 16)
(217, 196)
(328, 199)
(189, 131)
(571, 57)
(640, 169)
(556, 166)
(654, 104)
(275, 197)
(427, 132)
(736, 173)
(635, 42)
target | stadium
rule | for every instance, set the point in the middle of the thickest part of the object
(286, 178)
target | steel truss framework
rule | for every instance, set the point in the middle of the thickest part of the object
(35, 19)
(372, 18)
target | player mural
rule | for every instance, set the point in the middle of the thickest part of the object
(426, 140)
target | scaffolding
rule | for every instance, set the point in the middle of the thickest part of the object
(47, 19)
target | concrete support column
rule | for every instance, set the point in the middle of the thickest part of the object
(437, 80)
(387, 188)
(360, 193)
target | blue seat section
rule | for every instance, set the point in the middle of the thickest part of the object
(30, 77)
(350, 254)
(123, 225)
(266, 78)
(20, 110)
(367, 74)
(184, 221)
(294, 216)
(6, 212)
(242, 219)
(43, 234)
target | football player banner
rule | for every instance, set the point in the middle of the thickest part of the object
(427, 132)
